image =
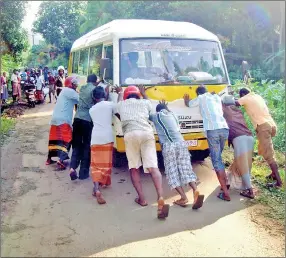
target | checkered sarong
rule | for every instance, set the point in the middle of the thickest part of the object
(178, 167)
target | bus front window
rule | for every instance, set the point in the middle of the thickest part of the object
(155, 61)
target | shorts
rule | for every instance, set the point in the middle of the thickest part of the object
(216, 140)
(265, 132)
(52, 89)
(141, 148)
(177, 162)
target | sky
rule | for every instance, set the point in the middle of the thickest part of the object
(32, 9)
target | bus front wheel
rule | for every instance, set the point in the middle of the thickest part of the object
(199, 155)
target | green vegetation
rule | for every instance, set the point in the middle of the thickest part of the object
(6, 125)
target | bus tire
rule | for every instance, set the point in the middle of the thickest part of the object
(118, 159)
(199, 155)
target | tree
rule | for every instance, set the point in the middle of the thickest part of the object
(59, 23)
(13, 38)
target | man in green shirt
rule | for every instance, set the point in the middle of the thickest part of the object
(82, 128)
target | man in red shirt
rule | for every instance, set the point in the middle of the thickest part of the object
(51, 80)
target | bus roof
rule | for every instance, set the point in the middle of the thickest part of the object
(142, 28)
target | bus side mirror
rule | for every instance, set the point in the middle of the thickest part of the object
(106, 68)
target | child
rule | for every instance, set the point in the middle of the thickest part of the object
(176, 155)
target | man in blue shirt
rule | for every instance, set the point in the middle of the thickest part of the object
(216, 129)
(177, 160)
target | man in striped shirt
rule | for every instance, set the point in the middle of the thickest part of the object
(216, 129)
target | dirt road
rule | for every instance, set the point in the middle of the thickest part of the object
(45, 214)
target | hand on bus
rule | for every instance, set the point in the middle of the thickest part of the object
(142, 89)
(187, 99)
(117, 89)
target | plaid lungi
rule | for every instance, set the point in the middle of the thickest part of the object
(178, 167)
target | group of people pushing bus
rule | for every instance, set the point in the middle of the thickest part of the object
(91, 137)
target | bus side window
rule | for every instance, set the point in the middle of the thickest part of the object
(108, 53)
(94, 60)
(83, 59)
(75, 59)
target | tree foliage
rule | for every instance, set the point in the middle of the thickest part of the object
(14, 39)
(59, 23)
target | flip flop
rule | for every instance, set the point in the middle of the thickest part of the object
(163, 209)
(49, 162)
(198, 200)
(99, 198)
(227, 186)
(144, 204)
(222, 196)
(181, 203)
(246, 193)
(73, 176)
(61, 165)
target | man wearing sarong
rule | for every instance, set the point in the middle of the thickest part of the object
(61, 124)
(265, 127)
(101, 142)
(177, 160)
(240, 138)
(140, 143)
(16, 86)
(82, 127)
(216, 130)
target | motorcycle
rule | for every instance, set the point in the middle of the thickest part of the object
(30, 90)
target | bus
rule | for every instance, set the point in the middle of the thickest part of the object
(169, 58)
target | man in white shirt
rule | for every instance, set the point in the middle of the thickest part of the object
(39, 81)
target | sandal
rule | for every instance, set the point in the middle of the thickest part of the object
(61, 165)
(50, 161)
(163, 209)
(143, 204)
(223, 197)
(182, 203)
(198, 200)
(247, 193)
(73, 176)
(99, 198)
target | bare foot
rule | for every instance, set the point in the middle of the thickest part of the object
(142, 203)
(181, 202)
(99, 197)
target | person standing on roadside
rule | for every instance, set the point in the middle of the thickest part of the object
(82, 128)
(4, 88)
(216, 129)
(265, 127)
(16, 87)
(140, 142)
(51, 81)
(60, 80)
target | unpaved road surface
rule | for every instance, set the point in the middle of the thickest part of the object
(45, 214)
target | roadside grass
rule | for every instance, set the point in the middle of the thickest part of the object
(6, 125)
(274, 199)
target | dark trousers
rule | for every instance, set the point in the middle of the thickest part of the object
(81, 137)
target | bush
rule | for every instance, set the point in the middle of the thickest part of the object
(274, 95)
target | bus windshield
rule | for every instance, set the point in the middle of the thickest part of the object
(180, 61)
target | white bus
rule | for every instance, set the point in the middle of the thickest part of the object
(169, 58)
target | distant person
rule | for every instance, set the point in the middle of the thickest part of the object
(16, 87)
(39, 81)
(60, 80)
(4, 88)
(177, 160)
(140, 143)
(101, 142)
(51, 81)
(265, 127)
(240, 138)
(45, 73)
(61, 124)
(216, 129)
(82, 128)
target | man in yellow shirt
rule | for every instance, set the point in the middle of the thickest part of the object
(265, 127)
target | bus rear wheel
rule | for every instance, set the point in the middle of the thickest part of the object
(199, 155)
